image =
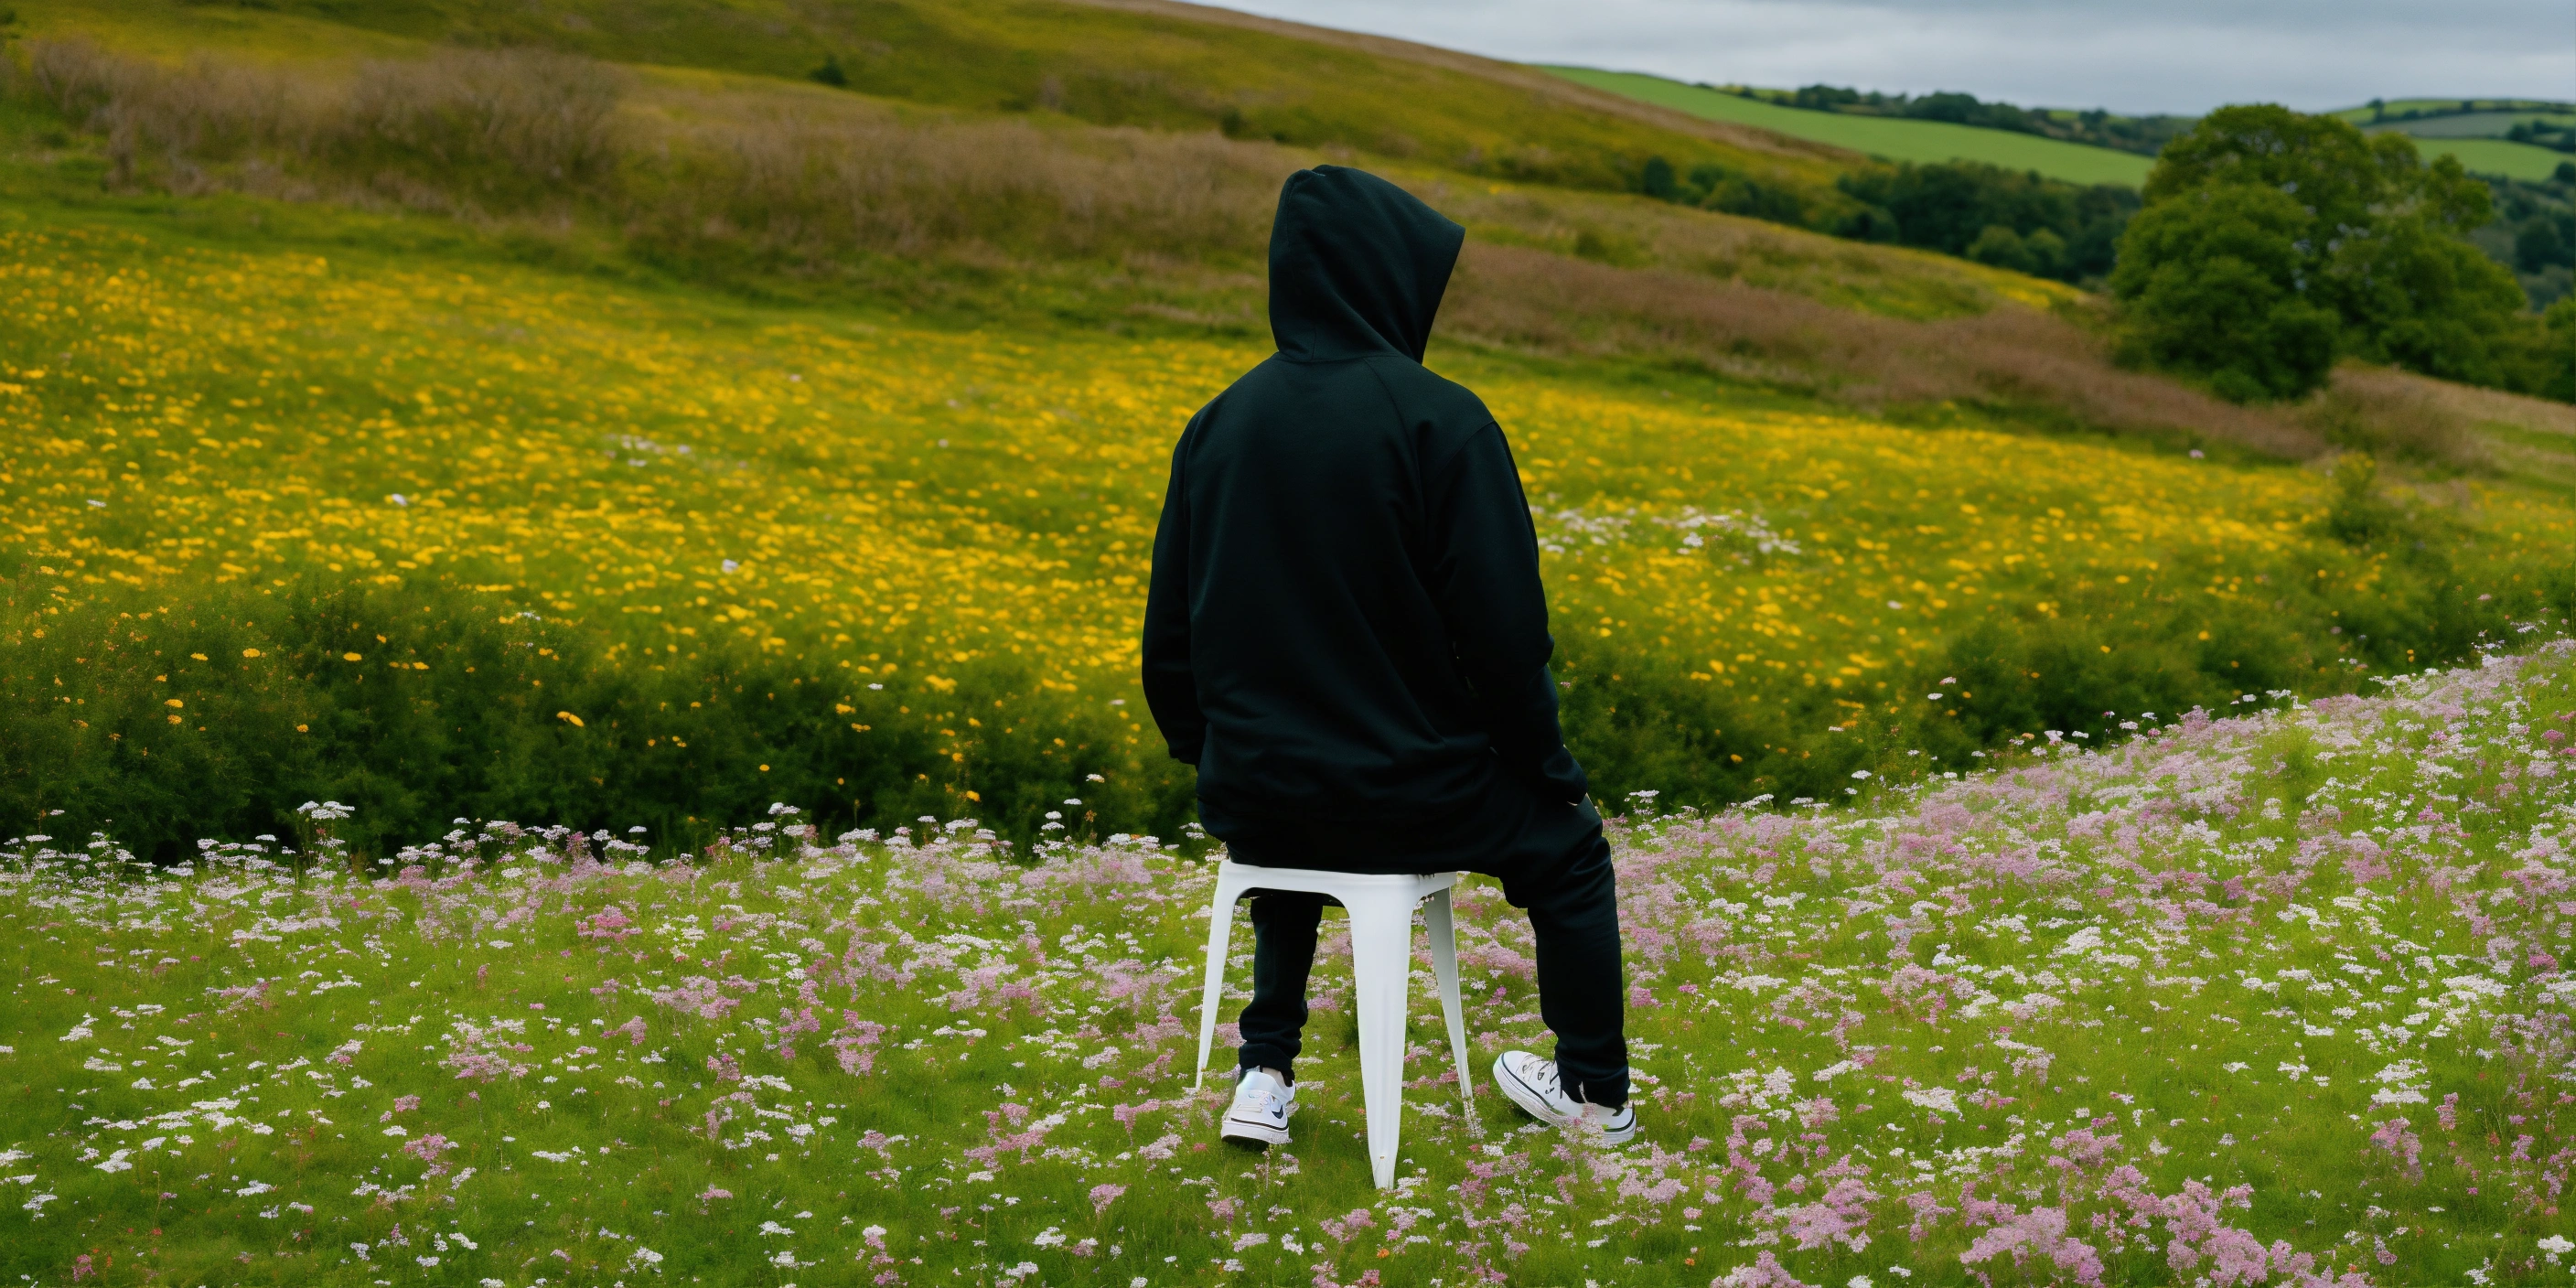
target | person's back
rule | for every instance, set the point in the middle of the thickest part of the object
(1347, 635)
(1347, 624)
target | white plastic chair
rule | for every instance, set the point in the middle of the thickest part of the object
(1381, 920)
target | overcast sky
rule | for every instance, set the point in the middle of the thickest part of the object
(2131, 56)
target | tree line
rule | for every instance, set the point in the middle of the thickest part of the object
(2271, 243)
(2100, 127)
(2266, 245)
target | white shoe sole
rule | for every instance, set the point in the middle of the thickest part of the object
(1255, 1132)
(1535, 1105)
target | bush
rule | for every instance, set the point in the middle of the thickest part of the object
(2418, 296)
(2211, 285)
(2272, 240)
(1995, 216)
(2556, 363)
(2003, 248)
(219, 714)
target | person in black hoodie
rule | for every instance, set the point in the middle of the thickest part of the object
(1347, 635)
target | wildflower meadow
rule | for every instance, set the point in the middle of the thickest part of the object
(569, 712)
(2270, 997)
(450, 536)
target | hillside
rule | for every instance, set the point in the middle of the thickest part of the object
(1887, 466)
(1161, 66)
(2497, 156)
(2275, 992)
(1892, 138)
(2477, 138)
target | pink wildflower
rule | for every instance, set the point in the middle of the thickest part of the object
(852, 1045)
(610, 924)
(2038, 1233)
(2404, 1146)
(1104, 1195)
(428, 1149)
(1347, 1228)
(1765, 1272)
(1840, 1215)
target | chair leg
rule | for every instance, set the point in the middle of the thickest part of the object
(1220, 923)
(1444, 962)
(1381, 962)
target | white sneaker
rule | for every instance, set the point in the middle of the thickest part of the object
(1260, 1111)
(1533, 1085)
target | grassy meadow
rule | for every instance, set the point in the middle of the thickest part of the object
(567, 615)
(2268, 998)
(438, 538)
(1177, 68)
(2524, 161)
(1894, 138)
(1898, 139)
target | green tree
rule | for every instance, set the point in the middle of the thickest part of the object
(2557, 374)
(2415, 294)
(2354, 239)
(2003, 248)
(2326, 163)
(2211, 283)
(1658, 180)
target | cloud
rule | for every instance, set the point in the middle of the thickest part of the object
(2175, 56)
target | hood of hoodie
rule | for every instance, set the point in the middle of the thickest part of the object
(1357, 266)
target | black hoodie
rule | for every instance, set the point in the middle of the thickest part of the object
(1346, 623)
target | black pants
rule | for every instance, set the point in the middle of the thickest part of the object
(1552, 861)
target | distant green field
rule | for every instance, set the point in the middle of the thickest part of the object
(2476, 138)
(1896, 140)
(2499, 106)
(2498, 156)
(2470, 125)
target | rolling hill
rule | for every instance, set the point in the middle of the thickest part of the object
(1153, 65)
(494, 424)
(680, 202)
(1892, 138)
(2475, 138)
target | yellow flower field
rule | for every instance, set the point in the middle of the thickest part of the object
(900, 503)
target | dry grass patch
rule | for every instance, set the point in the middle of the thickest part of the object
(1522, 298)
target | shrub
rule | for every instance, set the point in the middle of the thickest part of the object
(217, 713)
(2212, 286)
(2558, 351)
(2003, 248)
(2063, 230)
(2272, 240)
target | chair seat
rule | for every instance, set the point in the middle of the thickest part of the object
(1381, 919)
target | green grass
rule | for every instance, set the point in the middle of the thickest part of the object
(1922, 141)
(1893, 139)
(2271, 981)
(2467, 125)
(2514, 108)
(1099, 64)
(953, 503)
(2523, 161)
(896, 568)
